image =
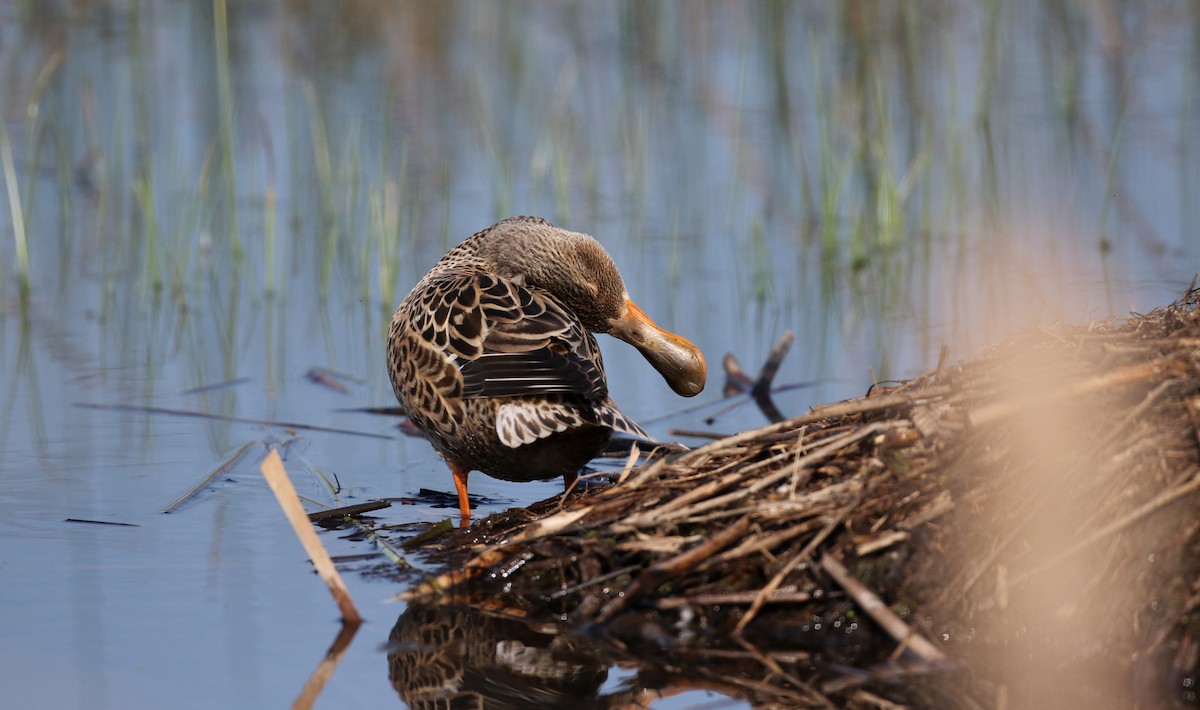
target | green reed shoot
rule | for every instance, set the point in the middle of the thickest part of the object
(226, 112)
(269, 265)
(326, 183)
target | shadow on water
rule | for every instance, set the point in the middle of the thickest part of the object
(206, 203)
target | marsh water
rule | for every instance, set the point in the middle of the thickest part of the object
(213, 208)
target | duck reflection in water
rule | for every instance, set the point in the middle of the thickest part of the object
(457, 657)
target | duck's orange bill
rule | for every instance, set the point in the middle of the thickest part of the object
(679, 362)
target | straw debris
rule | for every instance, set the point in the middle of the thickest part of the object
(1022, 526)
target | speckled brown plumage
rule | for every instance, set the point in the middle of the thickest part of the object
(492, 355)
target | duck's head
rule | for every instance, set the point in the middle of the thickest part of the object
(582, 276)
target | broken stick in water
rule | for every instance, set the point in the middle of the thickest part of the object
(285, 493)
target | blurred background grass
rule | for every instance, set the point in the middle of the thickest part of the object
(204, 189)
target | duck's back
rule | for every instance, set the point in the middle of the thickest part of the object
(498, 375)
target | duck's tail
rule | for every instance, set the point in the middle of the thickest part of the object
(625, 429)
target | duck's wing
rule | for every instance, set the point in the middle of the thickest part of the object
(532, 346)
(477, 335)
(507, 339)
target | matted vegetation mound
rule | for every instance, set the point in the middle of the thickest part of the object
(1021, 529)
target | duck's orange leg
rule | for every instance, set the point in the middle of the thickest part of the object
(460, 482)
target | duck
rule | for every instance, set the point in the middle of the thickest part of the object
(493, 357)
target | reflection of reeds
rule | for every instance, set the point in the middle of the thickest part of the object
(37, 136)
(15, 209)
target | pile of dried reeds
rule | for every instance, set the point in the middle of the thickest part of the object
(1026, 523)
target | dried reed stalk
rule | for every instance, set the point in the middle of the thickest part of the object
(277, 478)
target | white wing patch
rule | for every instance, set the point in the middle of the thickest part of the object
(519, 423)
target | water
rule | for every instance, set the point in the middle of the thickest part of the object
(208, 203)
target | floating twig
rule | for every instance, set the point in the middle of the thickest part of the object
(697, 434)
(101, 522)
(762, 386)
(226, 418)
(738, 382)
(386, 547)
(216, 386)
(348, 510)
(273, 470)
(432, 533)
(328, 378)
(225, 467)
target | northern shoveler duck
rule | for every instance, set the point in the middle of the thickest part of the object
(492, 355)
